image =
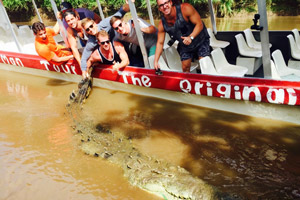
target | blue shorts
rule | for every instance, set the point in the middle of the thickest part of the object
(204, 50)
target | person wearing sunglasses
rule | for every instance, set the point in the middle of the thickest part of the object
(183, 23)
(46, 46)
(125, 31)
(92, 29)
(108, 52)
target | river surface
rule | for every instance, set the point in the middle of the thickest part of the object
(246, 157)
(242, 22)
(238, 22)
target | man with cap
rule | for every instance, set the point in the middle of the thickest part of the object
(81, 12)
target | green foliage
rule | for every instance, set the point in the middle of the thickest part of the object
(286, 7)
(201, 6)
(247, 5)
(15, 7)
(222, 7)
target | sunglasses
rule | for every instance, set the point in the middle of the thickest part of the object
(163, 4)
(88, 29)
(120, 25)
(107, 42)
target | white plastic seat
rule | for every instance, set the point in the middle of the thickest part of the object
(249, 57)
(295, 51)
(173, 59)
(15, 28)
(297, 37)
(244, 49)
(2, 46)
(281, 67)
(207, 66)
(174, 62)
(274, 72)
(2, 33)
(25, 31)
(3, 25)
(27, 40)
(167, 39)
(214, 43)
(25, 35)
(225, 68)
(8, 42)
(162, 63)
(252, 43)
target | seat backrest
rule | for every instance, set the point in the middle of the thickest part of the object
(219, 58)
(15, 28)
(293, 46)
(242, 45)
(212, 37)
(3, 25)
(252, 43)
(207, 66)
(5, 36)
(161, 62)
(274, 72)
(2, 46)
(297, 37)
(173, 59)
(279, 61)
(167, 39)
(25, 35)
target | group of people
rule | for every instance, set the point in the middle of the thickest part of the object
(109, 40)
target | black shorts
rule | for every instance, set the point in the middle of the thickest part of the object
(203, 50)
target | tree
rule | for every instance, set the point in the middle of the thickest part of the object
(286, 7)
(15, 7)
(223, 7)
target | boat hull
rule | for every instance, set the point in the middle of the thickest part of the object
(257, 97)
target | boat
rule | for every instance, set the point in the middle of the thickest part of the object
(252, 96)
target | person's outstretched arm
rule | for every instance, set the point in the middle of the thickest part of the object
(73, 44)
(88, 50)
(159, 44)
(123, 55)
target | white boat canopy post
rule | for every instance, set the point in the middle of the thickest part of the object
(264, 36)
(212, 16)
(37, 11)
(100, 10)
(150, 12)
(63, 33)
(10, 27)
(139, 33)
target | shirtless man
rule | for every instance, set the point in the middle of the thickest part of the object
(183, 23)
(111, 53)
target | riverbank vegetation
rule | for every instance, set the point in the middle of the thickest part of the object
(23, 10)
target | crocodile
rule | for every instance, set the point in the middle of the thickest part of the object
(148, 173)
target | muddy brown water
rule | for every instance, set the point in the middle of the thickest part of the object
(237, 22)
(246, 157)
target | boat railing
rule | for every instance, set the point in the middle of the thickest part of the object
(263, 30)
